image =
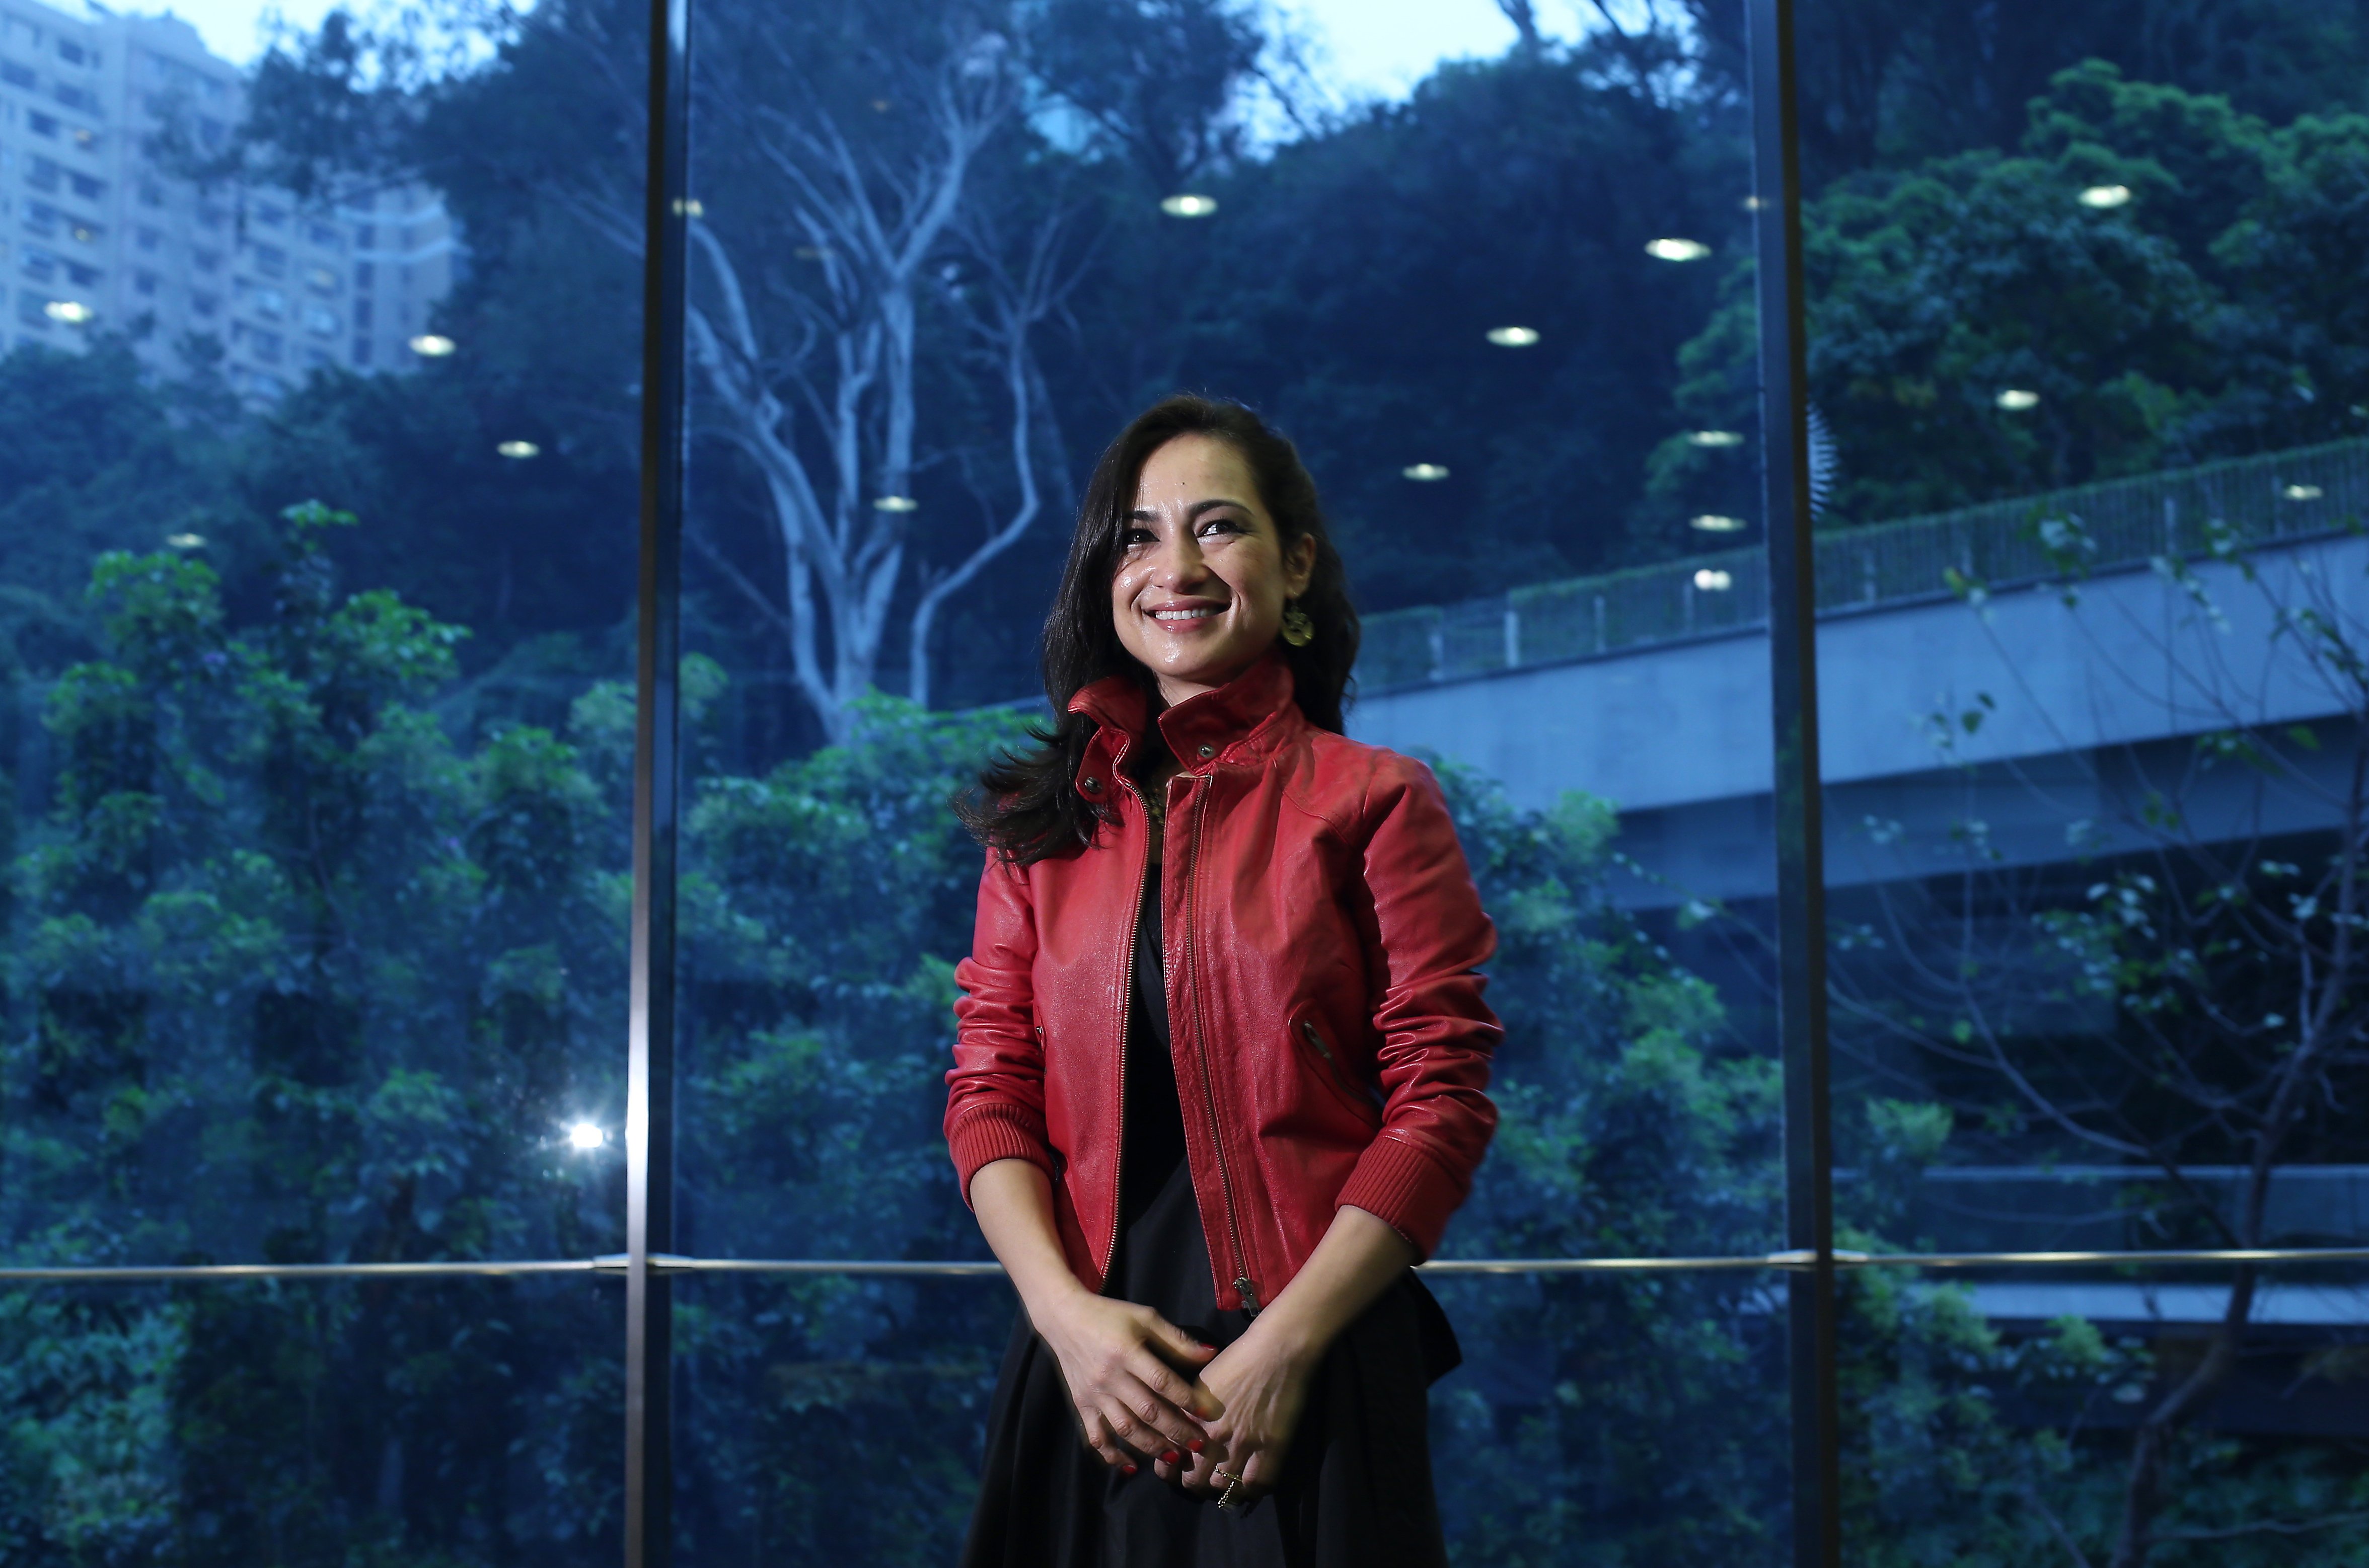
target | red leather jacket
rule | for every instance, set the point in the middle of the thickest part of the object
(1322, 941)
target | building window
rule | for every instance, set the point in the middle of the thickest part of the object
(270, 216)
(365, 274)
(89, 189)
(266, 347)
(83, 277)
(323, 280)
(207, 260)
(39, 266)
(205, 304)
(320, 320)
(212, 217)
(43, 176)
(42, 125)
(270, 302)
(323, 236)
(75, 97)
(361, 351)
(363, 315)
(86, 138)
(151, 193)
(40, 218)
(144, 282)
(71, 53)
(15, 75)
(270, 260)
(147, 238)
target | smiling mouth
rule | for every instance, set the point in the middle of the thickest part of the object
(1200, 613)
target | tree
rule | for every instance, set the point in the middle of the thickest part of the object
(2198, 1003)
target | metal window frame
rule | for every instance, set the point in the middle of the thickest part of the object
(649, 1521)
(1811, 1312)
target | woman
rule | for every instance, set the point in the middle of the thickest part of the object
(1221, 1055)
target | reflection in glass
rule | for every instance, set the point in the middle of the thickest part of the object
(2092, 731)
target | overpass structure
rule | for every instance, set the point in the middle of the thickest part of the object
(2081, 642)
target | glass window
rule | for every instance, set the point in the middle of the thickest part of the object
(2088, 464)
(468, 1421)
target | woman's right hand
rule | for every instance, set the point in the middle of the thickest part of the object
(1119, 1361)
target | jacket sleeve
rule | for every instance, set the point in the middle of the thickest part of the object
(1431, 938)
(995, 1091)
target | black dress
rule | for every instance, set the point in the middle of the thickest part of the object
(1357, 1480)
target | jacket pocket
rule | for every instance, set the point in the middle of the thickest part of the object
(1325, 1060)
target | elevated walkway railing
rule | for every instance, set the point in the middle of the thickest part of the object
(2121, 523)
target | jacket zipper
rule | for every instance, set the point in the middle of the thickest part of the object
(1340, 1068)
(1242, 1284)
(1126, 1016)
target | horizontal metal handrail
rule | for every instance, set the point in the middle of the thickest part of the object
(672, 1264)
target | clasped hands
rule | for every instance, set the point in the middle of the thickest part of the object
(1131, 1373)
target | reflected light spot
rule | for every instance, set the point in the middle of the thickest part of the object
(432, 345)
(584, 1135)
(2104, 196)
(1714, 438)
(2302, 492)
(74, 312)
(1188, 205)
(519, 449)
(894, 503)
(1676, 249)
(185, 541)
(1513, 336)
(812, 253)
(1712, 522)
(690, 207)
(2016, 400)
(1425, 472)
(1713, 580)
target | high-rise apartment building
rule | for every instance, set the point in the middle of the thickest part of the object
(96, 235)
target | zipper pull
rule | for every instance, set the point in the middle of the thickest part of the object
(1249, 1296)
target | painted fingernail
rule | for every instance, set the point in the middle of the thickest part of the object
(1169, 1458)
(1126, 1470)
(1196, 1445)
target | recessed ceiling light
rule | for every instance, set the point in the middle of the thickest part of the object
(894, 503)
(2104, 196)
(74, 312)
(2015, 399)
(2303, 492)
(186, 541)
(1676, 249)
(1712, 522)
(585, 1135)
(1710, 579)
(432, 345)
(1187, 205)
(1425, 472)
(519, 449)
(1513, 336)
(1714, 438)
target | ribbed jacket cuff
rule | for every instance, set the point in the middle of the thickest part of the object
(992, 1133)
(1406, 1188)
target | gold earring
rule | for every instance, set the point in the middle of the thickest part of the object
(1298, 629)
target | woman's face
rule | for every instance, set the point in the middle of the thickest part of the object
(1203, 576)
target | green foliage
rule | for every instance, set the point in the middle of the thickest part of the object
(2181, 326)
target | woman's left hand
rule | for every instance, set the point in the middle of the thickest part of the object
(1262, 1384)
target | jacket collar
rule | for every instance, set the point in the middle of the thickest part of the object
(1222, 719)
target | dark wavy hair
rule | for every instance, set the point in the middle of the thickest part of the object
(1028, 807)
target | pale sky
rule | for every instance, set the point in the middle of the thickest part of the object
(1368, 47)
